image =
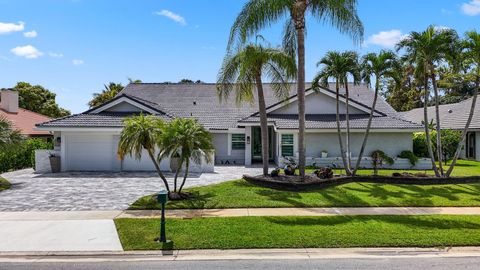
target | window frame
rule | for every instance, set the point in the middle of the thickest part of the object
(282, 144)
(235, 140)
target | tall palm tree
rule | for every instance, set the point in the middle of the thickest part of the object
(243, 71)
(186, 139)
(258, 14)
(339, 66)
(10, 137)
(381, 66)
(426, 49)
(142, 132)
(472, 46)
(108, 93)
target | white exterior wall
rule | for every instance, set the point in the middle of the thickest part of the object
(224, 154)
(477, 146)
(42, 160)
(317, 103)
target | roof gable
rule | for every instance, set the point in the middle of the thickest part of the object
(125, 103)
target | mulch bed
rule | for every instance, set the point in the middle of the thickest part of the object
(293, 182)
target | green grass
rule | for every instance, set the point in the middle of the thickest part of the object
(241, 194)
(303, 232)
(4, 184)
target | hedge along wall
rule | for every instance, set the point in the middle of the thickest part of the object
(22, 156)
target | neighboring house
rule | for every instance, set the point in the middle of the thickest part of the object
(454, 116)
(89, 140)
(22, 119)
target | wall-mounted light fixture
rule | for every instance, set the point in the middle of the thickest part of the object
(248, 139)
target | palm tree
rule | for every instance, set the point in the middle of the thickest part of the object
(426, 49)
(339, 66)
(244, 70)
(142, 132)
(258, 14)
(108, 93)
(381, 65)
(472, 46)
(9, 136)
(186, 139)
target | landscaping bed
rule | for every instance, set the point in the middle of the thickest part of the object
(303, 232)
(4, 184)
(313, 182)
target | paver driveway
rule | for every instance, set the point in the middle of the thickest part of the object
(77, 191)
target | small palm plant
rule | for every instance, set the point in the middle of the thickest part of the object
(9, 136)
(186, 139)
(140, 133)
(243, 72)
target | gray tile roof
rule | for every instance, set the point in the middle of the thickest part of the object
(201, 102)
(452, 116)
(92, 120)
(328, 121)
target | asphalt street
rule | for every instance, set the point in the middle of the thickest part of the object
(466, 263)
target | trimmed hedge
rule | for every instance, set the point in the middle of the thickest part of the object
(23, 156)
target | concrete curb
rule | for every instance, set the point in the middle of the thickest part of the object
(239, 254)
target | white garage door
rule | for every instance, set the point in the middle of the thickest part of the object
(132, 164)
(91, 152)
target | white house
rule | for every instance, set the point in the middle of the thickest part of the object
(454, 116)
(88, 141)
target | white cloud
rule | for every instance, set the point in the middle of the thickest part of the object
(6, 28)
(27, 51)
(441, 27)
(471, 8)
(385, 38)
(30, 34)
(77, 62)
(172, 16)
(55, 55)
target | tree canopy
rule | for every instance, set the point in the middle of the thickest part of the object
(38, 99)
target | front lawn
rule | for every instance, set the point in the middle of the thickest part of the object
(4, 184)
(303, 232)
(241, 194)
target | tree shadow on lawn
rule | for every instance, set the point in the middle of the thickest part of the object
(196, 201)
(410, 221)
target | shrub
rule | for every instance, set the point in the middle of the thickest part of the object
(450, 141)
(410, 156)
(378, 158)
(23, 156)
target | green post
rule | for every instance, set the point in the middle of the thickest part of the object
(162, 198)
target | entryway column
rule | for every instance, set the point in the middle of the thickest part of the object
(248, 146)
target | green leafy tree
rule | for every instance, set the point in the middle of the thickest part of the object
(243, 72)
(258, 14)
(38, 99)
(339, 66)
(426, 50)
(380, 66)
(186, 139)
(9, 136)
(108, 93)
(140, 133)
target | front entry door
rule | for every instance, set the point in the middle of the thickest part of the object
(470, 145)
(257, 144)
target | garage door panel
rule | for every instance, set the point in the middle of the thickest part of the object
(90, 153)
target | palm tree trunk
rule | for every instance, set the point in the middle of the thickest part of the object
(437, 120)
(185, 175)
(347, 120)
(427, 130)
(263, 123)
(465, 129)
(339, 131)
(301, 98)
(179, 168)
(369, 124)
(157, 167)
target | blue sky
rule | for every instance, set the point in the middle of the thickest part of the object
(73, 47)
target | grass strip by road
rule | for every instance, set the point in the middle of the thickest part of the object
(303, 232)
(4, 184)
(242, 194)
